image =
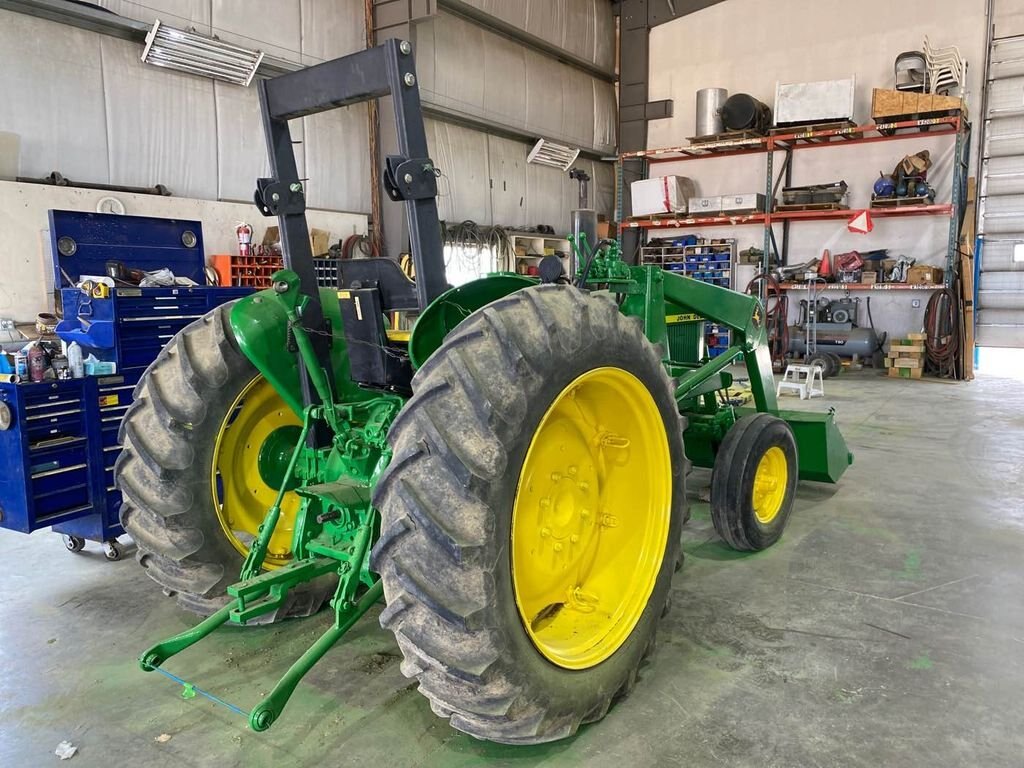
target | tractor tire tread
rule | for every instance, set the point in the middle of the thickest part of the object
(438, 554)
(161, 477)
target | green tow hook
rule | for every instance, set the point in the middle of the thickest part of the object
(161, 652)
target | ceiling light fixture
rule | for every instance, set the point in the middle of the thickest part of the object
(200, 55)
(547, 152)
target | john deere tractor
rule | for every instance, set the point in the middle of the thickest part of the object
(508, 478)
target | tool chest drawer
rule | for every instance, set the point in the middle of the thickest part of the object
(51, 466)
(136, 304)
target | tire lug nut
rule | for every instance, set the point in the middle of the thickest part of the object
(584, 487)
(545, 532)
(558, 546)
(556, 476)
(574, 539)
(609, 521)
(545, 502)
(572, 471)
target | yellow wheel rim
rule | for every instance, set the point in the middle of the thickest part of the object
(590, 519)
(770, 483)
(240, 495)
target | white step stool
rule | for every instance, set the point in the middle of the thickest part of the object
(792, 381)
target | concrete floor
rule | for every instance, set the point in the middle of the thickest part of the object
(886, 628)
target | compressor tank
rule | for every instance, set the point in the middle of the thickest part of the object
(838, 338)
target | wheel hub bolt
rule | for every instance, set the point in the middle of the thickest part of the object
(558, 546)
(609, 521)
(545, 532)
(556, 476)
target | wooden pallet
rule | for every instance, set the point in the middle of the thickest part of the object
(725, 136)
(905, 373)
(782, 207)
(802, 128)
(898, 202)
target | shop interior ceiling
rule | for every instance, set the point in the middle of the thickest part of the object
(136, 123)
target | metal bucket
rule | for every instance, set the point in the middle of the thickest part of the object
(709, 116)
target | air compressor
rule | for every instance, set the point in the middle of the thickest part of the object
(838, 330)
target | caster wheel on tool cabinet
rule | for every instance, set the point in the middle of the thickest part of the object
(74, 543)
(111, 550)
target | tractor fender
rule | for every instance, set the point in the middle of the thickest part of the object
(260, 326)
(453, 306)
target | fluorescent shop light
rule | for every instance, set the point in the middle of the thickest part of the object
(200, 55)
(547, 152)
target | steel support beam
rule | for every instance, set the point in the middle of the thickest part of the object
(636, 18)
(493, 24)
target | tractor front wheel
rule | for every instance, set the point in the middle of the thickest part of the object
(531, 515)
(753, 482)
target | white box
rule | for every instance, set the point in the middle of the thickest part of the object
(747, 201)
(825, 101)
(662, 194)
(705, 206)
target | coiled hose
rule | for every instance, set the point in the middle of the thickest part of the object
(942, 333)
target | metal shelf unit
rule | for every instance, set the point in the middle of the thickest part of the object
(956, 126)
(708, 260)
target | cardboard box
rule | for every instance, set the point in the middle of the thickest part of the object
(662, 194)
(705, 206)
(869, 277)
(921, 275)
(889, 104)
(319, 239)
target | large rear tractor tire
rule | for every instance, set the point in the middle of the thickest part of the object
(190, 475)
(531, 515)
(753, 482)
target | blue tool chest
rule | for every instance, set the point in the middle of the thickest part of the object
(61, 445)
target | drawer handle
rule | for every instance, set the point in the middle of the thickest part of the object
(52, 416)
(50, 472)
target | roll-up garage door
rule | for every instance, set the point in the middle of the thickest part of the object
(1000, 320)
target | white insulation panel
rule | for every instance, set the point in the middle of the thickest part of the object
(582, 27)
(84, 105)
(466, 69)
(87, 107)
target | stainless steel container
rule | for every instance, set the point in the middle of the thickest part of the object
(709, 105)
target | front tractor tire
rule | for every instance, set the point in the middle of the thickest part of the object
(753, 482)
(531, 515)
(189, 473)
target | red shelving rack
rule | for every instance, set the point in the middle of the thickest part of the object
(955, 125)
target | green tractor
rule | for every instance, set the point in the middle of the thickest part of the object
(509, 477)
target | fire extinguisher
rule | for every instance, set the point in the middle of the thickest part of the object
(244, 232)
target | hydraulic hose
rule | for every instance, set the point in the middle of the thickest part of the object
(942, 333)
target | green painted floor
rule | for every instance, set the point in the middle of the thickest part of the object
(886, 628)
